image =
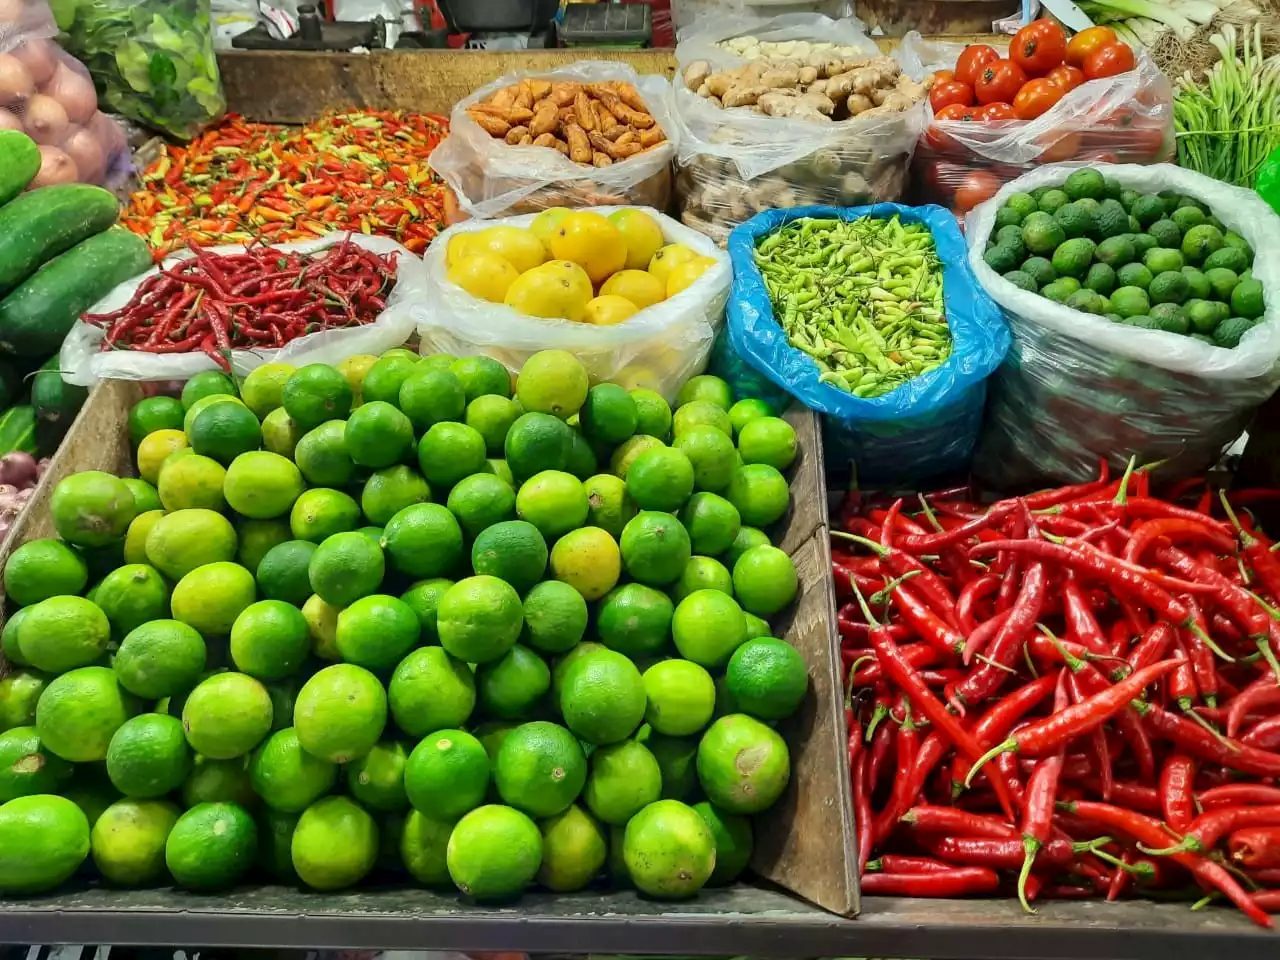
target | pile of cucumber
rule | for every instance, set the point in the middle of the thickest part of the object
(60, 253)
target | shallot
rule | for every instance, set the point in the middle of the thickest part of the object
(15, 80)
(45, 119)
(55, 167)
(39, 57)
(74, 91)
(86, 153)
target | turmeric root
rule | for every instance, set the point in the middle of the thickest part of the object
(493, 125)
(579, 145)
(515, 134)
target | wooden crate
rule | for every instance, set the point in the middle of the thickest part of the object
(805, 844)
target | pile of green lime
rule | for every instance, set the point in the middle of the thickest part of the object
(406, 615)
(1158, 261)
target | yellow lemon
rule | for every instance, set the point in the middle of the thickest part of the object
(549, 294)
(606, 310)
(569, 272)
(459, 247)
(484, 275)
(668, 258)
(642, 235)
(519, 247)
(684, 275)
(546, 223)
(639, 286)
(592, 242)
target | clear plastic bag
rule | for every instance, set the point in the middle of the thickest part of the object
(658, 348)
(1123, 119)
(48, 94)
(734, 163)
(494, 179)
(152, 61)
(927, 427)
(1077, 387)
(83, 363)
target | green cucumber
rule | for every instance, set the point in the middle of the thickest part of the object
(19, 163)
(37, 226)
(18, 430)
(56, 403)
(35, 318)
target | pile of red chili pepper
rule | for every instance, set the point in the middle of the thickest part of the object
(365, 171)
(1069, 694)
(261, 298)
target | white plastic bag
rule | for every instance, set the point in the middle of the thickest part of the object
(1076, 387)
(734, 163)
(83, 363)
(659, 348)
(494, 179)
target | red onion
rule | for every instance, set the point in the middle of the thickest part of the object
(74, 91)
(46, 120)
(39, 56)
(15, 81)
(55, 167)
(19, 469)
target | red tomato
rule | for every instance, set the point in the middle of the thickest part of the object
(942, 76)
(950, 93)
(978, 186)
(973, 61)
(999, 82)
(1038, 47)
(997, 111)
(1109, 60)
(1087, 41)
(1063, 148)
(954, 111)
(1068, 78)
(1036, 97)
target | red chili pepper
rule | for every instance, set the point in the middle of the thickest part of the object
(1210, 827)
(1255, 847)
(1081, 623)
(1154, 645)
(1177, 779)
(908, 744)
(1149, 831)
(999, 719)
(951, 821)
(1044, 499)
(1006, 854)
(895, 863)
(1238, 794)
(862, 811)
(1098, 744)
(1204, 744)
(987, 678)
(919, 618)
(959, 882)
(973, 592)
(1039, 799)
(1265, 735)
(1176, 529)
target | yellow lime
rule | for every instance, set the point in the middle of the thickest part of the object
(686, 274)
(590, 240)
(519, 246)
(607, 311)
(667, 259)
(135, 540)
(263, 389)
(669, 850)
(181, 541)
(153, 449)
(210, 597)
(280, 434)
(557, 290)
(260, 484)
(642, 235)
(322, 627)
(191, 482)
(588, 560)
(638, 286)
(552, 381)
(355, 368)
(574, 849)
(460, 246)
(486, 276)
(546, 223)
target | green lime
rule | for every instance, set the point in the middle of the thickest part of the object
(431, 690)
(423, 847)
(661, 479)
(494, 852)
(261, 484)
(257, 537)
(20, 692)
(223, 431)
(711, 453)
(322, 626)
(205, 384)
(757, 627)
(499, 468)
(669, 850)
(317, 393)
(91, 508)
(145, 496)
(384, 379)
(340, 713)
(537, 442)
(513, 551)
(588, 560)
(377, 778)
(540, 769)
(192, 482)
(26, 768)
(450, 451)
(653, 414)
(582, 461)
(346, 567)
(700, 413)
(210, 598)
(554, 382)
(734, 842)
(423, 599)
(227, 715)
(764, 580)
(447, 774)
(322, 455)
(162, 658)
(282, 572)
(512, 686)
(624, 779)
(702, 573)
(128, 840)
(80, 711)
(423, 540)
(491, 416)
(705, 388)
(432, 396)
(760, 493)
(743, 765)
(321, 512)
(148, 756)
(219, 781)
(479, 619)
(635, 620)
(712, 523)
(747, 410)
(707, 627)
(767, 678)
(378, 435)
(609, 415)
(135, 541)
(480, 501)
(602, 697)
(481, 375)
(681, 696)
(609, 506)
(390, 490)
(275, 845)
(375, 632)
(286, 777)
(555, 617)
(269, 640)
(152, 414)
(131, 596)
(553, 501)
(45, 840)
(44, 568)
(629, 451)
(335, 844)
(63, 633)
(655, 548)
(263, 389)
(769, 440)
(574, 849)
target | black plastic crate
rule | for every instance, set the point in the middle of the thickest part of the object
(606, 25)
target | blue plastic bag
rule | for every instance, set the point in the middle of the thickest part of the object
(927, 427)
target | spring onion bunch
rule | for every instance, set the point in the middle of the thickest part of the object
(1228, 121)
(1141, 22)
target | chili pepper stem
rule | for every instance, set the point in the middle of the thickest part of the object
(1032, 847)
